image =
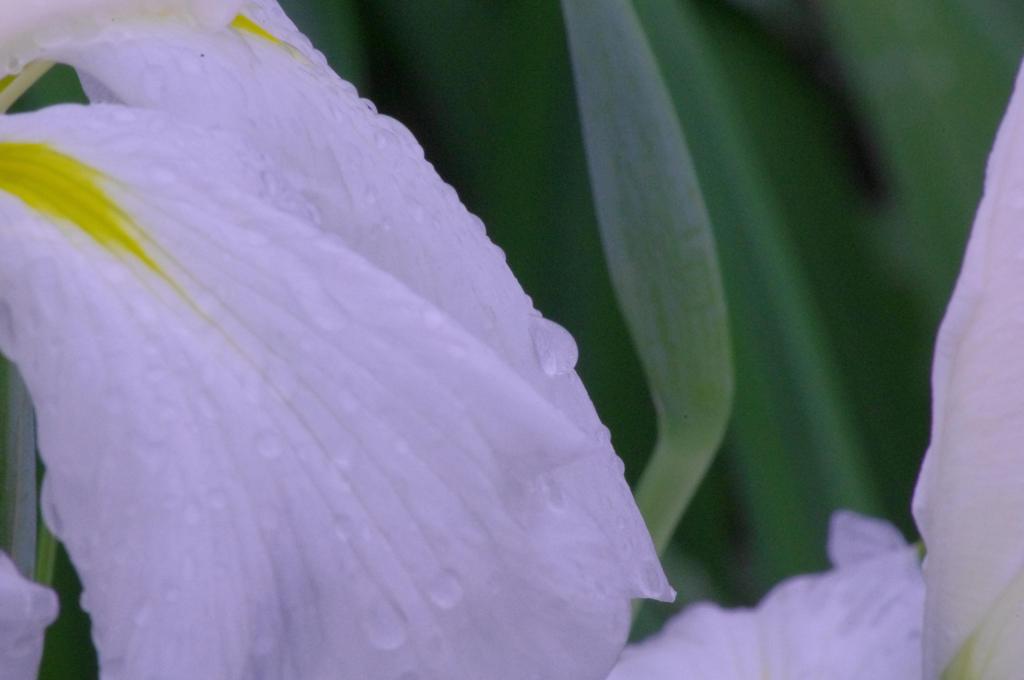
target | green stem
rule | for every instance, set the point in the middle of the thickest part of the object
(668, 484)
(46, 556)
(11, 91)
(18, 508)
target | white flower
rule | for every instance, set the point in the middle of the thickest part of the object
(860, 621)
(298, 417)
(25, 611)
(969, 501)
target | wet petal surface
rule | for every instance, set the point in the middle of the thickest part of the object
(271, 459)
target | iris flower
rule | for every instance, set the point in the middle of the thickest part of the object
(875, 615)
(969, 501)
(861, 620)
(298, 418)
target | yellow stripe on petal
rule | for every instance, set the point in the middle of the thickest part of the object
(68, 191)
(244, 24)
(6, 81)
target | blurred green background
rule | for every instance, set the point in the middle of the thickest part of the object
(840, 146)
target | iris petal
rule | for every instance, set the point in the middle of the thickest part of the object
(861, 620)
(25, 611)
(970, 495)
(277, 460)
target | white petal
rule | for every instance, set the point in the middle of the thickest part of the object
(854, 538)
(275, 461)
(366, 178)
(33, 29)
(861, 620)
(364, 173)
(970, 497)
(26, 609)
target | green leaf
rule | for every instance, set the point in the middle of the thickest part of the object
(60, 85)
(659, 246)
(68, 653)
(788, 18)
(17, 471)
(930, 84)
(999, 21)
(868, 307)
(794, 445)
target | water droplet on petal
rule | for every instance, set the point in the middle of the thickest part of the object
(419, 214)
(383, 139)
(555, 349)
(446, 589)
(386, 626)
(553, 494)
